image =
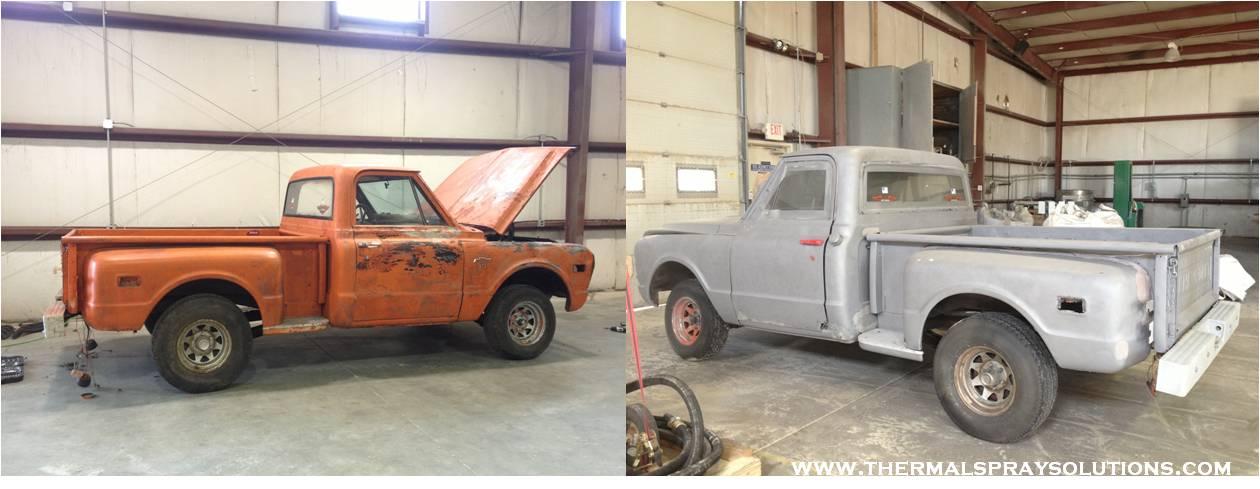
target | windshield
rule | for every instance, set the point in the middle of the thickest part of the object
(894, 189)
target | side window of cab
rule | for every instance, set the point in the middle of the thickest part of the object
(393, 201)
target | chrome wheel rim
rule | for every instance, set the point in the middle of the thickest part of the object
(526, 323)
(984, 381)
(685, 320)
(204, 345)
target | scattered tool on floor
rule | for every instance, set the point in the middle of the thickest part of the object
(12, 332)
(13, 369)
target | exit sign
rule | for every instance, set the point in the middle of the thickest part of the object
(773, 131)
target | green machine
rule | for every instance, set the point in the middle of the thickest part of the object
(1122, 194)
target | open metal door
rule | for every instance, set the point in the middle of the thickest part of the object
(916, 106)
(873, 106)
(967, 124)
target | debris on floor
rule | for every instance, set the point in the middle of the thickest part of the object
(13, 368)
(618, 328)
(13, 332)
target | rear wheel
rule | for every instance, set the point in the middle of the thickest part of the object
(519, 322)
(692, 324)
(202, 343)
(995, 378)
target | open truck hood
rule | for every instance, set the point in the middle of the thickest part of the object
(491, 189)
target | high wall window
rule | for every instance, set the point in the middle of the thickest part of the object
(696, 181)
(634, 179)
(398, 16)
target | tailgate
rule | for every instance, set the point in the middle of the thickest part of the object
(1186, 285)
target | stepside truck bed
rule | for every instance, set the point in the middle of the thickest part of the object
(284, 270)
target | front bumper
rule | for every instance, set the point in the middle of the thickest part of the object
(1182, 366)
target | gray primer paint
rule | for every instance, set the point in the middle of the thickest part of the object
(880, 272)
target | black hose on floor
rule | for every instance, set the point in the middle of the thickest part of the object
(700, 448)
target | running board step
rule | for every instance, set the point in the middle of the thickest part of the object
(307, 324)
(888, 343)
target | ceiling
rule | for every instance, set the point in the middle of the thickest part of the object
(1089, 35)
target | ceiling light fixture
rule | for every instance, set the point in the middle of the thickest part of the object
(1173, 53)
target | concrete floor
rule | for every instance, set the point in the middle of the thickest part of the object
(796, 399)
(429, 401)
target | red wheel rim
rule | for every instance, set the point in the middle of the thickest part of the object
(685, 321)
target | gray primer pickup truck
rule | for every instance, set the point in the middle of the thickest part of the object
(880, 246)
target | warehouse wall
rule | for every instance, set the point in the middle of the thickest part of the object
(1190, 90)
(1013, 89)
(53, 75)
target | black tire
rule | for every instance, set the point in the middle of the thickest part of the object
(519, 322)
(712, 331)
(984, 349)
(208, 321)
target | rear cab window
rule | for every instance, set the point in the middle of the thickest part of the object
(309, 198)
(907, 189)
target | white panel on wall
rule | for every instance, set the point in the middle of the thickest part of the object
(1177, 91)
(656, 129)
(542, 108)
(45, 196)
(1113, 141)
(605, 195)
(547, 24)
(857, 33)
(66, 64)
(1235, 87)
(252, 12)
(361, 89)
(475, 21)
(489, 110)
(608, 108)
(781, 89)
(311, 15)
(791, 21)
(32, 278)
(1075, 98)
(656, 29)
(1173, 140)
(1232, 138)
(231, 83)
(675, 81)
(224, 187)
(1115, 95)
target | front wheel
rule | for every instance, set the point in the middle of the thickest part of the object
(202, 343)
(995, 378)
(520, 322)
(692, 324)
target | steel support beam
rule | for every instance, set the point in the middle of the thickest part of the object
(979, 58)
(1041, 9)
(1017, 116)
(31, 233)
(582, 42)
(185, 136)
(51, 12)
(831, 77)
(1144, 38)
(1163, 118)
(1218, 47)
(979, 18)
(1193, 11)
(1058, 134)
(769, 44)
(1161, 65)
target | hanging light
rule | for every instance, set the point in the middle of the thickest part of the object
(1173, 53)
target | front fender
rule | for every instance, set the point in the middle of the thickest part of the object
(121, 287)
(708, 261)
(1110, 335)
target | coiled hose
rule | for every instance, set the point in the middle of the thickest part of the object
(700, 448)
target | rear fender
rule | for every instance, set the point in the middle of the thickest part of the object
(121, 287)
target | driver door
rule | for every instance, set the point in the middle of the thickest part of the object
(777, 256)
(409, 261)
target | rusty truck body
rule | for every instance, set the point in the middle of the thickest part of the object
(356, 247)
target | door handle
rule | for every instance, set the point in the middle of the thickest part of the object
(369, 244)
(812, 242)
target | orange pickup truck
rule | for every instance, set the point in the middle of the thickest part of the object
(356, 247)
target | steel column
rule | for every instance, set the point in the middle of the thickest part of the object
(582, 42)
(979, 57)
(1058, 133)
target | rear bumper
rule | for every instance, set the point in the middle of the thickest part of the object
(1182, 366)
